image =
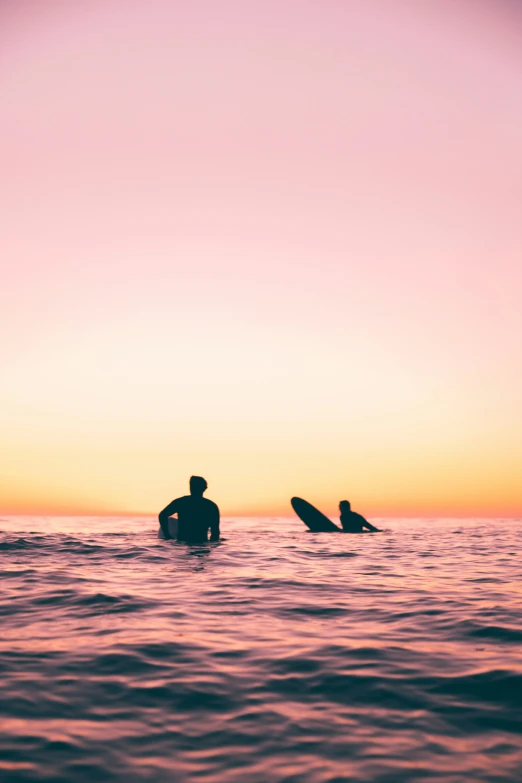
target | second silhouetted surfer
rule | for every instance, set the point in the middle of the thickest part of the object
(353, 522)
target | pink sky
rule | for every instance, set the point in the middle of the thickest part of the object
(277, 243)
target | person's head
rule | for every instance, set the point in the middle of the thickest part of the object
(197, 485)
(344, 505)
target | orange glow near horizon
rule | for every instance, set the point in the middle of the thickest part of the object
(278, 246)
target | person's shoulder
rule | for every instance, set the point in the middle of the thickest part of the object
(174, 505)
(210, 502)
(358, 516)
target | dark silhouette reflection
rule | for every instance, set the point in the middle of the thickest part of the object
(353, 522)
(195, 515)
(201, 553)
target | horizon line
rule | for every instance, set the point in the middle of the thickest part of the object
(258, 515)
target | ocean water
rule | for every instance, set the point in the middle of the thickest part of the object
(275, 655)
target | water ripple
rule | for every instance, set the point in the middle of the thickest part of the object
(274, 656)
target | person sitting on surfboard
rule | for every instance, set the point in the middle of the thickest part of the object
(196, 515)
(353, 522)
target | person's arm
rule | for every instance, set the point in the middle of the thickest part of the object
(163, 517)
(369, 525)
(214, 526)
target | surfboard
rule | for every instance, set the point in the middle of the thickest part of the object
(313, 518)
(173, 528)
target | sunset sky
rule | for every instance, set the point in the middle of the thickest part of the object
(277, 243)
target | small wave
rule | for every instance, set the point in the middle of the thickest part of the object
(493, 687)
(93, 603)
(314, 611)
(112, 603)
(500, 633)
(21, 543)
(327, 554)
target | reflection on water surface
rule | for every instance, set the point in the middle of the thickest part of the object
(275, 655)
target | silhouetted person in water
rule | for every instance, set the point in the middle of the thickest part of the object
(195, 513)
(353, 522)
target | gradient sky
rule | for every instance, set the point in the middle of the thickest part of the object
(274, 242)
